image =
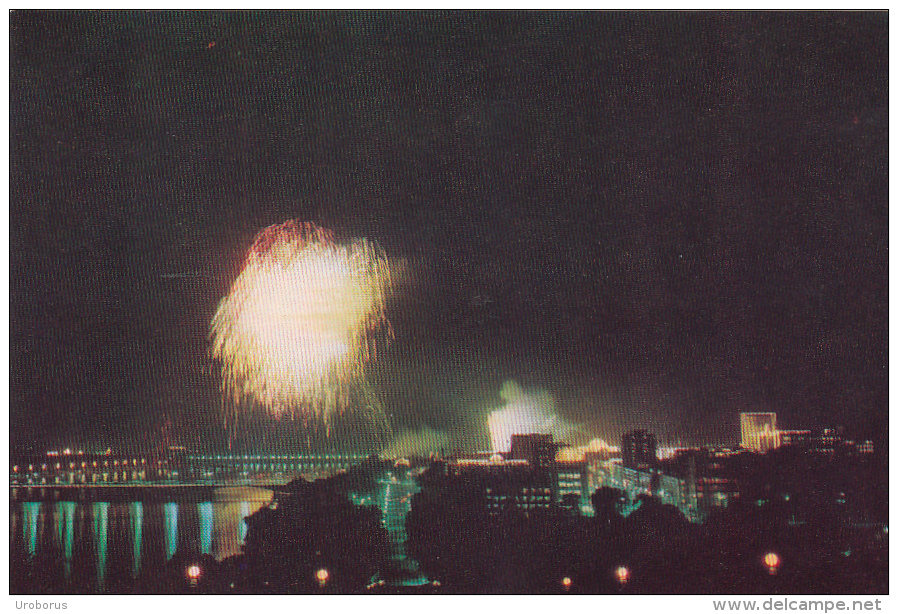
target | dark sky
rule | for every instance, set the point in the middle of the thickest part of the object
(661, 219)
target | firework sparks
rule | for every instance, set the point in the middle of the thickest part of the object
(301, 322)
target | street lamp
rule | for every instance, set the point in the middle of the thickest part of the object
(772, 561)
(566, 582)
(322, 575)
(622, 574)
(193, 574)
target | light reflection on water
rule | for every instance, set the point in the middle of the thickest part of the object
(101, 542)
(101, 525)
(136, 517)
(206, 514)
(171, 529)
(65, 523)
(30, 525)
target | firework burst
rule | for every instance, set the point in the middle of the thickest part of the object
(300, 323)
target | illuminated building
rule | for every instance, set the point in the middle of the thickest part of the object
(695, 481)
(759, 432)
(795, 438)
(828, 442)
(638, 450)
(668, 488)
(530, 479)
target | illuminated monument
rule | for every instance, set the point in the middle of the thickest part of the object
(759, 432)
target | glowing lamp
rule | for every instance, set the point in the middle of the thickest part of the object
(566, 582)
(622, 574)
(322, 575)
(772, 561)
(194, 572)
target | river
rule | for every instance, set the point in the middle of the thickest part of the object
(95, 539)
(92, 539)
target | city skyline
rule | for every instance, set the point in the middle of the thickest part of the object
(812, 512)
(657, 232)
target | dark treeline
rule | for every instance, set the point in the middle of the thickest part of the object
(823, 543)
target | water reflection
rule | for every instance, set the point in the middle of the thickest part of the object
(30, 511)
(136, 515)
(66, 532)
(103, 543)
(205, 513)
(231, 506)
(101, 525)
(171, 529)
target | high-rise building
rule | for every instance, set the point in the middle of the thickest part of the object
(759, 432)
(638, 450)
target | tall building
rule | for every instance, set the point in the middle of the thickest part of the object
(759, 432)
(536, 448)
(638, 450)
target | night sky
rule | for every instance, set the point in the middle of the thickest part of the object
(659, 219)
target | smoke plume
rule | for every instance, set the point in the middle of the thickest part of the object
(525, 411)
(421, 442)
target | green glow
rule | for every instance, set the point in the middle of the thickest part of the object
(68, 513)
(244, 512)
(205, 513)
(31, 511)
(137, 535)
(101, 528)
(171, 529)
(59, 523)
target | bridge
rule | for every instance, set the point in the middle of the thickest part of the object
(177, 466)
(223, 468)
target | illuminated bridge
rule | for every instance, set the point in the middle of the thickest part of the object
(224, 468)
(175, 467)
